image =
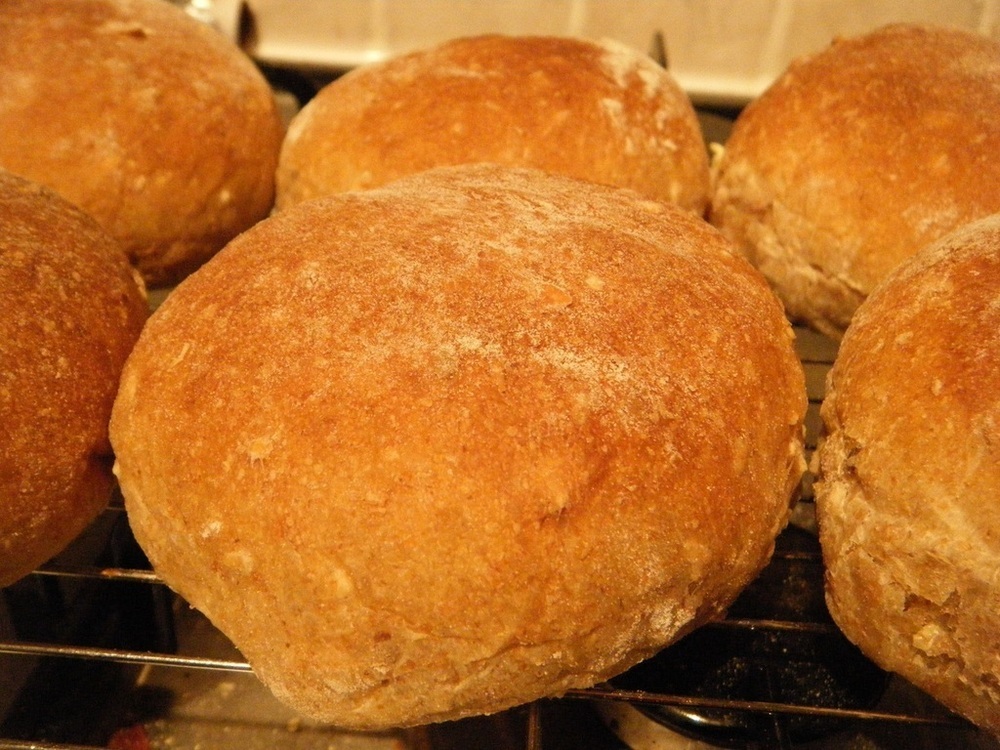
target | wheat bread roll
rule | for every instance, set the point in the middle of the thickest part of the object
(856, 157)
(475, 437)
(910, 474)
(153, 123)
(72, 310)
(595, 110)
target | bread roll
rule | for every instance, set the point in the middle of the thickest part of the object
(910, 474)
(598, 111)
(858, 156)
(71, 312)
(150, 121)
(452, 444)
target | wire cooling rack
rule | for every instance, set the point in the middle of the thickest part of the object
(96, 652)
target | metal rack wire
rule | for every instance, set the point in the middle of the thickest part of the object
(160, 650)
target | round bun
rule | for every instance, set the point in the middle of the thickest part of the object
(910, 468)
(598, 111)
(153, 123)
(857, 157)
(72, 310)
(462, 441)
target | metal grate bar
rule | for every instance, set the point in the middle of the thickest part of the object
(639, 697)
(122, 656)
(106, 574)
(17, 745)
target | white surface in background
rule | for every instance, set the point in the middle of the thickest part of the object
(720, 51)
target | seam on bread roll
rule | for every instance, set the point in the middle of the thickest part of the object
(770, 234)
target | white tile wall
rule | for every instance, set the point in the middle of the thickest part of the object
(721, 51)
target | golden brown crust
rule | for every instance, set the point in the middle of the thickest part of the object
(857, 157)
(910, 469)
(72, 310)
(593, 110)
(449, 445)
(151, 122)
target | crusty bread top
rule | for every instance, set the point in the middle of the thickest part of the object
(470, 438)
(71, 312)
(155, 124)
(915, 381)
(859, 156)
(910, 471)
(594, 110)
